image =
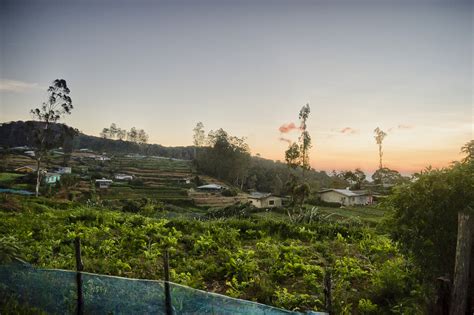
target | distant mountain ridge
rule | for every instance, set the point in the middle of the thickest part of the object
(20, 133)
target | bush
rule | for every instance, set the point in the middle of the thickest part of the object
(229, 193)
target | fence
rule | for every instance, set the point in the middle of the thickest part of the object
(55, 292)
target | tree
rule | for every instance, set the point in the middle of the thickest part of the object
(298, 154)
(379, 136)
(132, 135)
(226, 157)
(425, 217)
(386, 176)
(468, 149)
(292, 156)
(355, 178)
(142, 136)
(58, 105)
(304, 139)
(199, 136)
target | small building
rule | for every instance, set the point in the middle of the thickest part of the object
(123, 177)
(51, 178)
(346, 197)
(103, 183)
(264, 200)
(30, 153)
(64, 170)
(102, 158)
(210, 187)
(26, 169)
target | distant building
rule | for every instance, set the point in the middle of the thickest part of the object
(101, 158)
(103, 183)
(210, 187)
(64, 170)
(30, 153)
(346, 197)
(264, 200)
(123, 177)
(51, 178)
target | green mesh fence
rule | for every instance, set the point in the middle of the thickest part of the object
(55, 292)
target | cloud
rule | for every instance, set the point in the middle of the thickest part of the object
(285, 140)
(348, 130)
(16, 86)
(285, 128)
(401, 127)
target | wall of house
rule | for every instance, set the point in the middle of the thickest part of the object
(332, 196)
(266, 202)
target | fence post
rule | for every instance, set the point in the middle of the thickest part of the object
(168, 307)
(79, 269)
(459, 292)
(327, 291)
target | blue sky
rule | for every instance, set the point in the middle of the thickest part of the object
(249, 66)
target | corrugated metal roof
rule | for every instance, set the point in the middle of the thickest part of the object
(346, 192)
(259, 195)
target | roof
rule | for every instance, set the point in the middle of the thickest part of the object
(104, 180)
(26, 166)
(210, 186)
(346, 192)
(259, 195)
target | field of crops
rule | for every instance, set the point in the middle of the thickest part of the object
(269, 260)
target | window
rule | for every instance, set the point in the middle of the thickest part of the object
(271, 202)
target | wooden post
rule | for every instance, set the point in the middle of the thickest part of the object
(79, 269)
(461, 269)
(327, 291)
(168, 307)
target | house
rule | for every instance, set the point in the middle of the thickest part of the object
(103, 183)
(346, 197)
(210, 187)
(51, 178)
(264, 200)
(26, 169)
(30, 153)
(123, 177)
(102, 158)
(64, 170)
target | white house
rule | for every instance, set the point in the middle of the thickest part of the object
(103, 183)
(346, 197)
(64, 170)
(264, 200)
(211, 187)
(102, 158)
(123, 177)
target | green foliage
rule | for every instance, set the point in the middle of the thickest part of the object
(425, 215)
(9, 249)
(267, 260)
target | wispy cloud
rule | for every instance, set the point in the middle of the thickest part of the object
(16, 86)
(285, 128)
(348, 131)
(401, 127)
(285, 140)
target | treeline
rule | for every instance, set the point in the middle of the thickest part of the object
(21, 133)
(228, 158)
(24, 133)
(117, 133)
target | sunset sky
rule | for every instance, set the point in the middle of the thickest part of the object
(248, 67)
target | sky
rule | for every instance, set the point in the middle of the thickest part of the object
(248, 67)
